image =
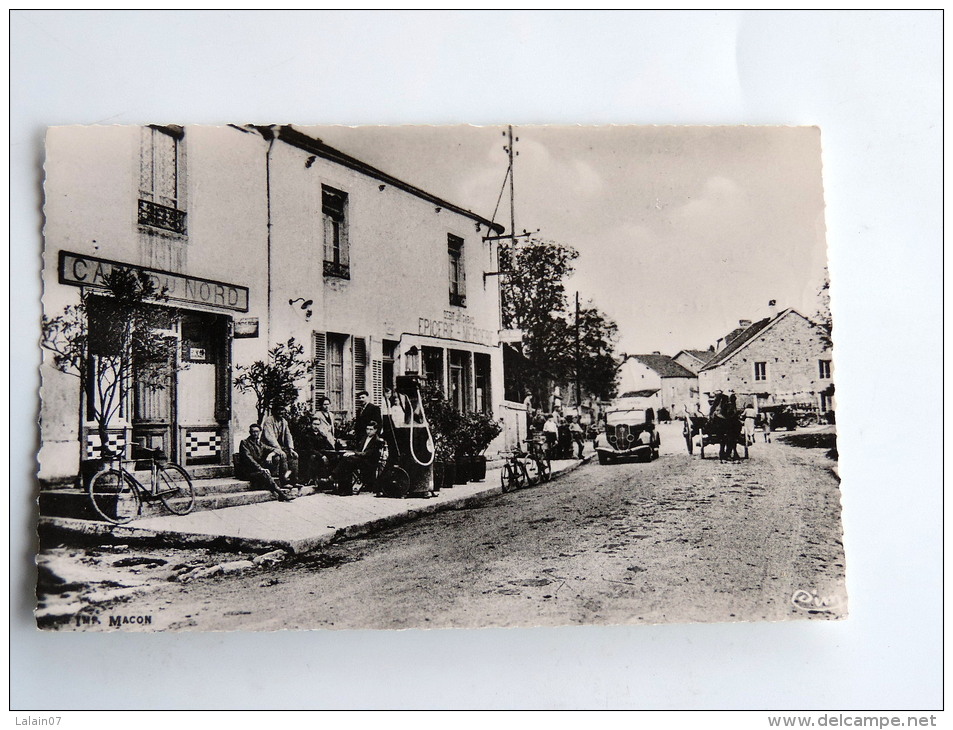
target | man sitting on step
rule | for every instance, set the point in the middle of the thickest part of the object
(261, 464)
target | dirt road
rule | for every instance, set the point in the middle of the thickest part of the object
(676, 540)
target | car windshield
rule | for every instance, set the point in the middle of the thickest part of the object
(628, 415)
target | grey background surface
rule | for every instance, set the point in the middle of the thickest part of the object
(870, 80)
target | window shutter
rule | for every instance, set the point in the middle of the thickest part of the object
(360, 364)
(328, 238)
(377, 381)
(344, 244)
(320, 347)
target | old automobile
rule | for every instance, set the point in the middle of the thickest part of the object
(630, 433)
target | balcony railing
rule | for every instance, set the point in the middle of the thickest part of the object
(161, 216)
(336, 269)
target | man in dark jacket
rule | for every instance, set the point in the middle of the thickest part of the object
(366, 461)
(261, 464)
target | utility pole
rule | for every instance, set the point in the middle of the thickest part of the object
(578, 394)
(509, 149)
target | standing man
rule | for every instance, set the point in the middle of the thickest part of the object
(366, 413)
(276, 434)
(575, 429)
(551, 433)
(260, 464)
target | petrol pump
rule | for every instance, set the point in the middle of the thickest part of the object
(412, 436)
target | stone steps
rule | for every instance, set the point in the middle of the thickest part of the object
(210, 494)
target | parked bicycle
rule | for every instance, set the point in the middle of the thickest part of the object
(118, 495)
(523, 468)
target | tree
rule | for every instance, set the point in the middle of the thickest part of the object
(113, 342)
(275, 382)
(534, 301)
(598, 366)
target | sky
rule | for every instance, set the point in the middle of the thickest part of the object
(681, 231)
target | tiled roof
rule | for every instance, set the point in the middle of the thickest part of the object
(665, 366)
(738, 341)
(702, 356)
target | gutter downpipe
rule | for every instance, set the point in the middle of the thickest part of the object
(269, 134)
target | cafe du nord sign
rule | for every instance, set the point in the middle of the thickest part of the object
(78, 270)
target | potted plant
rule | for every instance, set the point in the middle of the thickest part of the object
(477, 431)
(444, 422)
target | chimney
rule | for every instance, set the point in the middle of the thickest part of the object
(744, 323)
(772, 308)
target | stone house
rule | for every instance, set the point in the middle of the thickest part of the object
(782, 358)
(694, 360)
(658, 379)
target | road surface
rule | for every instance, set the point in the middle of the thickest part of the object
(676, 540)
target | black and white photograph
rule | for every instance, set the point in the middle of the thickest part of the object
(432, 377)
(476, 360)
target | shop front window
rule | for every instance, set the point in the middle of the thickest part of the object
(460, 380)
(481, 381)
(433, 366)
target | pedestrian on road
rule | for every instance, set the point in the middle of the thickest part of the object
(749, 415)
(261, 464)
(577, 433)
(551, 433)
(766, 427)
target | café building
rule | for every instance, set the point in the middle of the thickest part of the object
(258, 235)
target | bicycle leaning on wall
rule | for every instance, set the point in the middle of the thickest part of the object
(117, 494)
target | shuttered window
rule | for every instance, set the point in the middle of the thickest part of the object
(360, 364)
(336, 245)
(319, 373)
(458, 278)
(377, 381)
(340, 403)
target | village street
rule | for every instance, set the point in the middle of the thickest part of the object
(679, 539)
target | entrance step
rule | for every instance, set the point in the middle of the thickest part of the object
(209, 494)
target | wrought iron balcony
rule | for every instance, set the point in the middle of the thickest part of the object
(458, 300)
(338, 270)
(161, 216)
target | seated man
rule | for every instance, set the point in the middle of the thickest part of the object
(276, 434)
(320, 447)
(260, 464)
(365, 462)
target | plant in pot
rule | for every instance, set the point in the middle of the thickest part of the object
(477, 431)
(444, 422)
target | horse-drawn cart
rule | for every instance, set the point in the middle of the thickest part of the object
(706, 432)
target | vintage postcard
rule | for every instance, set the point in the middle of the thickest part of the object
(431, 377)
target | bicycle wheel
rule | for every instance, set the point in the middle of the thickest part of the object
(513, 477)
(175, 489)
(114, 496)
(395, 482)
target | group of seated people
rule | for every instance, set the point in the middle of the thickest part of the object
(270, 459)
